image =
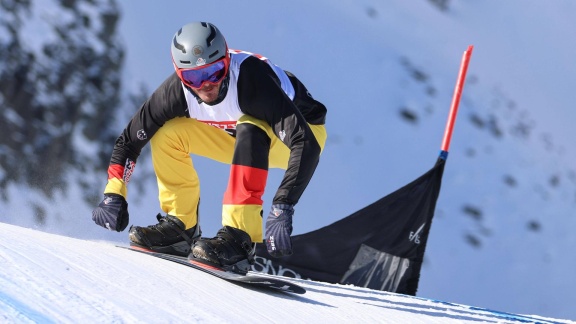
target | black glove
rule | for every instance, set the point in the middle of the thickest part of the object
(279, 229)
(112, 213)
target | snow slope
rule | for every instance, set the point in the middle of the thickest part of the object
(48, 278)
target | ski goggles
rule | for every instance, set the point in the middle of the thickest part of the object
(212, 73)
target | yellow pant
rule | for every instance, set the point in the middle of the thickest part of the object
(178, 184)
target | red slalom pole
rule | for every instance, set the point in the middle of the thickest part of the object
(455, 102)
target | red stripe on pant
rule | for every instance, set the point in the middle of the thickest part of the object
(245, 186)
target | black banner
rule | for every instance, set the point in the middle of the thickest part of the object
(380, 246)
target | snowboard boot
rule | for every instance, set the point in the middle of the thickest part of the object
(231, 250)
(168, 236)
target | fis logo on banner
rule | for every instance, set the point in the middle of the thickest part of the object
(415, 236)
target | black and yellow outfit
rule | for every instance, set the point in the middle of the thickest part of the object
(266, 119)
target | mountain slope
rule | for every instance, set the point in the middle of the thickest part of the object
(50, 278)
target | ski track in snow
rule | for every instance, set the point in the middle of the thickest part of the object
(46, 278)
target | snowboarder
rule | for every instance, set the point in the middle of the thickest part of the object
(233, 107)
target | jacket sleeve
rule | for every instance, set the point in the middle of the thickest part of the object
(260, 96)
(167, 102)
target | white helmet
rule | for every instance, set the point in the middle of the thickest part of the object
(197, 44)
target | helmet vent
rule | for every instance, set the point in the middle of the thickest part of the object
(211, 37)
(178, 45)
(213, 54)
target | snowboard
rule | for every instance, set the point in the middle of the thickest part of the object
(251, 278)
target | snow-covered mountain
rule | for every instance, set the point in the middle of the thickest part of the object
(60, 80)
(502, 236)
(59, 279)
